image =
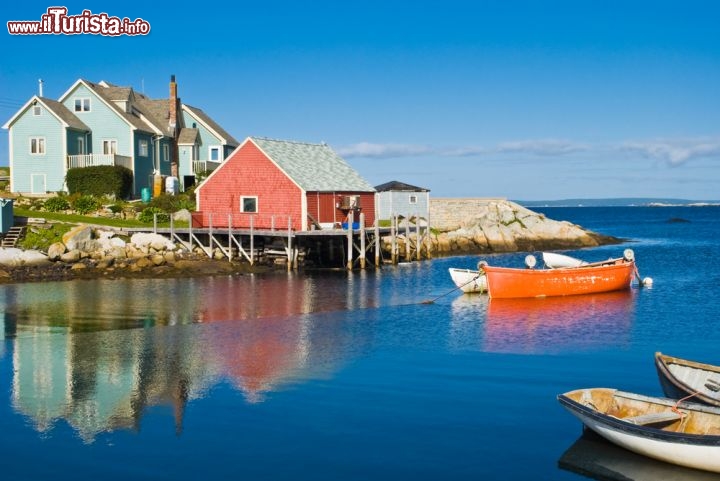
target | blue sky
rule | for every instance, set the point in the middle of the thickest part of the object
(520, 99)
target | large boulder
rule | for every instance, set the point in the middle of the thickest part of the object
(13, 257)
(77, 237)
(498, 225)
(155, 241)
(55, 251)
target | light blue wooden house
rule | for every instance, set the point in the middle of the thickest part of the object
(400, 199)
(103, 124)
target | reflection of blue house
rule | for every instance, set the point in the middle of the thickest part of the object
(103, 124)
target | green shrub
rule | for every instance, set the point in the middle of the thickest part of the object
(173, 203)
(42, 238)
(36, 204)
(86, 204)
(100, 180)
(148, 215)
(56, 204)
(115, 208)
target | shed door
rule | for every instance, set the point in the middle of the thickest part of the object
(38, 184)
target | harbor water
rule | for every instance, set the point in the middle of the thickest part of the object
(338, 375)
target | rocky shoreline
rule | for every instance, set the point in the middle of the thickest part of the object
(459, 227)
(92, 253)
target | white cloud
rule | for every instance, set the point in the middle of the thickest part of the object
(542, 147)
(383, 151)
(531, 147)
(675, 152)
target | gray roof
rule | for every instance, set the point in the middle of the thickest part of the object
(112, 94)
(213, 125)
(64, 113)
(187, 136)
(314, 167)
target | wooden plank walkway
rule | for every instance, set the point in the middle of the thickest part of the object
(291, 245)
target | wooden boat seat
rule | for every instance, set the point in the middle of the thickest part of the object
(713, 385)
(654, 418)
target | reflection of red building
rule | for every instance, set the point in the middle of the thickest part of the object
(262, 337)
(529, 325)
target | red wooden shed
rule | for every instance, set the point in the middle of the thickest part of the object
(279, 183)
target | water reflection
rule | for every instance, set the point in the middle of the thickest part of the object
(97, 355)
(542, 325)
(595, 458)
(558, 323)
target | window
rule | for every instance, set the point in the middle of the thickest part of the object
(413, 199)
(80, 146)
(37, 110)
(143, 148)
(215, 154)
(249, 204)
(82, 105)
(166, 153)
(37, 145)
(110, 147)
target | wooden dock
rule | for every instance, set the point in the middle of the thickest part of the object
(349, 248)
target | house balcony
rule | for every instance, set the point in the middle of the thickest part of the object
(93, 160)
(206, 166)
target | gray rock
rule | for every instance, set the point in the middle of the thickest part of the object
(76, 235)
(182, 215)
(70, 256)
(55, 251)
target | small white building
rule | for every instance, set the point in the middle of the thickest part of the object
(398, 198)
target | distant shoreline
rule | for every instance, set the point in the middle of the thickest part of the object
(618, 203)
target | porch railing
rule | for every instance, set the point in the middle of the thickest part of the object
(92, 160)
(204, 166)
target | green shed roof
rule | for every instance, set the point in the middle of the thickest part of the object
(314, 167)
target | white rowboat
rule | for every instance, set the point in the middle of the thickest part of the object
(687, 435)
(560, 261)
(468, 280)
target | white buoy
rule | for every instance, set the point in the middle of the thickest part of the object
(647, 282)
(530, 261)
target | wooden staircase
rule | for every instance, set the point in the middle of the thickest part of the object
(12, 237)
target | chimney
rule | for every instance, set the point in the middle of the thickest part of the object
(173, 104)
(40, 87)
(173, 124)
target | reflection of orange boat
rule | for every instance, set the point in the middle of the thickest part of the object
(541, 324)
(605, 276)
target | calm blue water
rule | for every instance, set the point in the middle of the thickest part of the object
(341, 375)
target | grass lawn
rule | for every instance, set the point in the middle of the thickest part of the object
(85, 219)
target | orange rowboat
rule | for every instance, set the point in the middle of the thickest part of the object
(605, 276)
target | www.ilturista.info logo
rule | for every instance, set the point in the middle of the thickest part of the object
(57, 22)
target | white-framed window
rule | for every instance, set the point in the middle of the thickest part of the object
(143, 148)
(82, 105)
(214, 154)
(37, 110)
(166, 153)
(109, 146)
(37, 145)
(413, 199)
(195, 152)
(249, 204)
(80, 145)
